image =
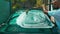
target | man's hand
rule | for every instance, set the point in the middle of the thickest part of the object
(44, 8)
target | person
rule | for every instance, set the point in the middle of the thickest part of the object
(54, 13)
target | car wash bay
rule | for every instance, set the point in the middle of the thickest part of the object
(8, 21)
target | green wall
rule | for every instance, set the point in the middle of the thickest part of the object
(4, 10)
